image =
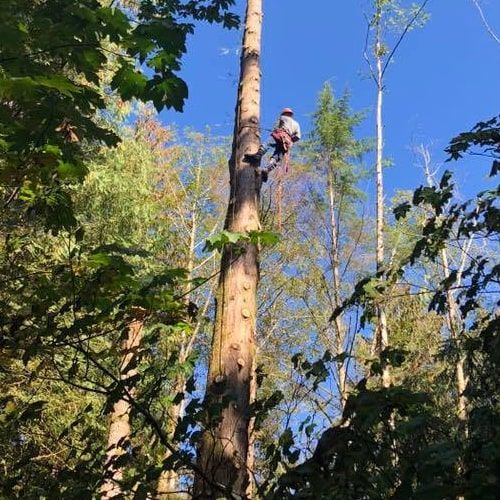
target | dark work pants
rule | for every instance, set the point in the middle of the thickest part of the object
(277, 155)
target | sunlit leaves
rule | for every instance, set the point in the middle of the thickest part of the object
(486, 135)
(58, 57)
(401, 422)
(131, 82)
(220, 240)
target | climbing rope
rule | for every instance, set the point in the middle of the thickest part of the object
(279, 200)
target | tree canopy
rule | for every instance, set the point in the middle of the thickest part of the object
(173, 327)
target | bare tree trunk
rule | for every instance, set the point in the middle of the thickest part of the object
(224, 449)
(453, 317)
(339, 326)
(119, 428)
(453, 320)
(382, 338)
(168, 482)
(251, 433)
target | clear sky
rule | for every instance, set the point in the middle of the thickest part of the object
(444, 79)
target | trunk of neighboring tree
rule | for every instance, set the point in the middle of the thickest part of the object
(382, 338)
(339, 326)
(119, 428)
(224, 449)
(168, 483)
(169, 479)
(453, 318)
(251, 431)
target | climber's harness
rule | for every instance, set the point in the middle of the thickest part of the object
(283, 143)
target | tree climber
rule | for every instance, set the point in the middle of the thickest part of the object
(286, 132)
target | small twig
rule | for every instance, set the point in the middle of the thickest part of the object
(365, 51)
(11, 197)
(485, 22)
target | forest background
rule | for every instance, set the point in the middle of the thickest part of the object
(112, 231)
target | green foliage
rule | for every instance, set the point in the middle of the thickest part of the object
(219, 241)
(486, 135)
(397, 442)
(333, 145)
(128, 209)
(224, 238)
(69, 294)
(400, 14)
(67, 298)
(56, 58)
(389, 23)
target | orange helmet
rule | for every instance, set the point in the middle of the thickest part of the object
(288, 111)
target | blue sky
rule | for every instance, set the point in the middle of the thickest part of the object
(444, 79)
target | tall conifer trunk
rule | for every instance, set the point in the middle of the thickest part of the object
(225, 447)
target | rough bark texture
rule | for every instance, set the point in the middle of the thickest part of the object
(224, 449)
(119, 427)
(251, 432)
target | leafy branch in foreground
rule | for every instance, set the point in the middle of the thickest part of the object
(394, 442)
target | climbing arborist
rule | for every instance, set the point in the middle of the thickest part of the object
(286, 132)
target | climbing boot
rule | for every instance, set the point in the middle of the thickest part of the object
(264, 174)
(256, 157)
(273, 163)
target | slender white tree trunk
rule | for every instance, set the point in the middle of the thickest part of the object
(339, 326)
(453, 316)
(168, 483)
(453, 319)
(382, 337)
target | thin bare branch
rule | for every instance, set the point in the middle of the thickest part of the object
(403, 34)
(365, 51)
(489, 29)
